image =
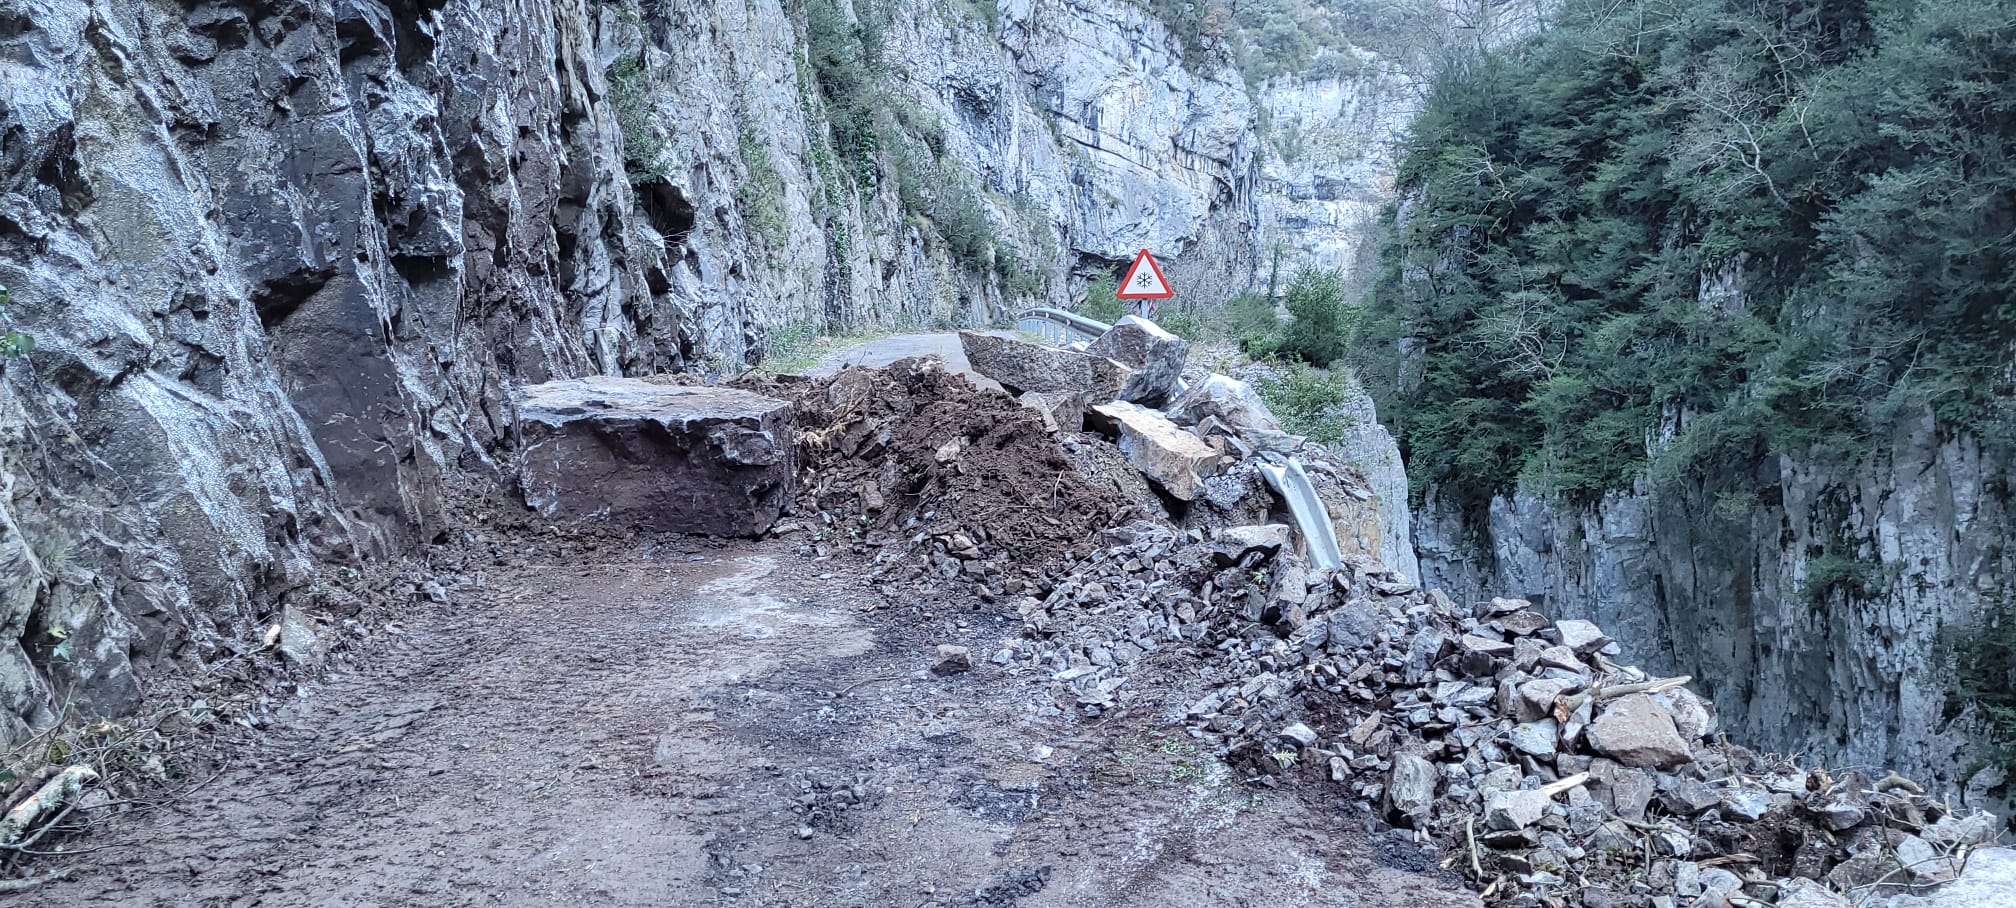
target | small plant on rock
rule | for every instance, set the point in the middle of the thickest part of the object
(13, 343)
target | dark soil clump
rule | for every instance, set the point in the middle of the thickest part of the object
(912, 449)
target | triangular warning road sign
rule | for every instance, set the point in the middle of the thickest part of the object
(1144, 281)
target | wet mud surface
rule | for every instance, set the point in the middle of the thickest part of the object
(692, 723)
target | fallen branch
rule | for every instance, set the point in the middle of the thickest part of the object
(39, 833)
(1567, 706)
(1554, 788)
(52, 795)
(1470, 832)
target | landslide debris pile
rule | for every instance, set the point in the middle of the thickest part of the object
(1548, 772)
(1517, 747)
(915, 462)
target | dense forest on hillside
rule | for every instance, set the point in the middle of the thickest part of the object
(1724, 227)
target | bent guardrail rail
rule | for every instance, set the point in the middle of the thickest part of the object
(1312, 519)
(1059, 328)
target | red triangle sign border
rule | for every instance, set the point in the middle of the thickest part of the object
(1128, 281)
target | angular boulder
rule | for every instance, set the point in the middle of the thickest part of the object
(683, 458)
(1155, 355)
(1536, 697)
(1410, 786)
(1232, 401)
(1636, 731)
(1168, 454)
(1510, 810)
(1234, 543)
(1021, 367)
(296, 639)
(1581, 636)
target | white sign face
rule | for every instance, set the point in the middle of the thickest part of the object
(1144, 281)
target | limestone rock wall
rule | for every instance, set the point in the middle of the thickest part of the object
(285, 261)
(1335, 155)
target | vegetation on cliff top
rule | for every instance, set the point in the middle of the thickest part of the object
(1757, 225)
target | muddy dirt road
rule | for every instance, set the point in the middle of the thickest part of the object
(688, 723)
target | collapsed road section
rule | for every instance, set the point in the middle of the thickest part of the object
(1066, 644)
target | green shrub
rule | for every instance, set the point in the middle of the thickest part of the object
(1252, 322)
(12, 343)
(846, 63)
(1853, 578)
(1308, 401)
(630, 96)
(760, 197)
(1184, 322)
(1016, 273)
(1100, 304)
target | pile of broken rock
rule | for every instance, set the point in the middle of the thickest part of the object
(1129, 385)
(1543, 768)
(1551, 774)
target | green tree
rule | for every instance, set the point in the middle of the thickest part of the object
(1792, 222)
(1100, 303)
(1320, 333)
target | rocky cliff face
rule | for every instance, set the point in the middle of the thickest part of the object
(1811, 614)
(285, 262)
(1334, 143)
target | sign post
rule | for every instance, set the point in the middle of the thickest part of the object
(1144, 285)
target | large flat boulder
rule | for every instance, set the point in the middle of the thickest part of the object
(1021, 366)
(1636, 731)
(1170, 455)
(1155, 355)
(667, 457)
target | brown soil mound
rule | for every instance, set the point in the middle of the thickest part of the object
(912, 450)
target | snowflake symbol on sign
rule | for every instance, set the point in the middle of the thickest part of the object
(1144, 280)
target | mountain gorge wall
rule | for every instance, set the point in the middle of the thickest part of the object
(1813, 614)
(285, 263)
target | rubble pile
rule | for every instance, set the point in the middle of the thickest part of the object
(938, 478)
(1520, 746)
(1516, 745)
(1552, 774)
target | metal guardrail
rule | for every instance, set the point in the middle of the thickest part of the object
(1312, 519)
(1059, 328)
